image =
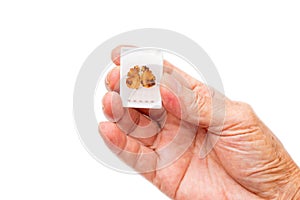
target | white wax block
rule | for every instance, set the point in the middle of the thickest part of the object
(140, 88)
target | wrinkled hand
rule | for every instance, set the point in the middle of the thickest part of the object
(247, 161)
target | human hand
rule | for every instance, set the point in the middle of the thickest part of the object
(247, 161)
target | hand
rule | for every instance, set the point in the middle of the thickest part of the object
(247, 161)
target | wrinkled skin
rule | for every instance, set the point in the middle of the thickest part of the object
(247, 161)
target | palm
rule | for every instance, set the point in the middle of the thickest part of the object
(189, 176)
(247, 161)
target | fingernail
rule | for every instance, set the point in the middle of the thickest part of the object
(102, 126)
(107, 80)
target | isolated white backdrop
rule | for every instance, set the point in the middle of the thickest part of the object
(255, 47)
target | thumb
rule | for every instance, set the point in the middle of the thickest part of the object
(200, 105)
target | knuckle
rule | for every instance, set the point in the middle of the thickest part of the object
(247, 111)
(247, 108)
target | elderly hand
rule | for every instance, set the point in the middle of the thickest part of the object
(246, 162)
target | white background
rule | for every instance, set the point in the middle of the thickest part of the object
(254, 45)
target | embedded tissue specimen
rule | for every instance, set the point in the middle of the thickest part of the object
(133, 78)
(147, 78)
(137, 77)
